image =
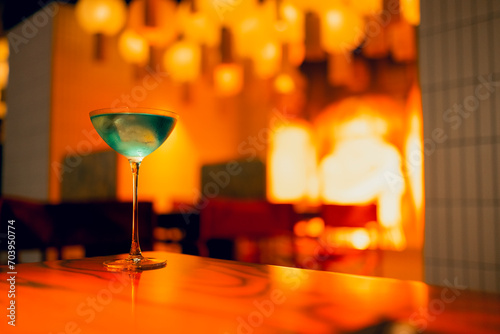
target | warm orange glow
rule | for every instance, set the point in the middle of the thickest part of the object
(269, 51)
(341, 29)
(414, 149)
(291, 161)
(313, 187)
(101, 16)
(163, 29)
(3, 109)
(376, 45)
(256, 38)
(133, 47)
(339, 69)
(73, 252)
(182, 61)
(361, 79)
(300, 228)
(267, 60)
(358, 169)
(296, 53)
(228, 79)
(291, 26)
(311, 228)
(290, 13)
(353, 172)
(402, 41)
(349, 237)
(228, 13)
(198, 26)
(360, 239)
(367, 7)
(4, 73)
(248, 35)
(410, 10)
(315, 227)
(317, 6)
(4, 49)
(281, 276)
(284, 84)
(414, 156)
(202, 30)
(255, 31)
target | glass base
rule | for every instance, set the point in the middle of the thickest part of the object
(135, 264)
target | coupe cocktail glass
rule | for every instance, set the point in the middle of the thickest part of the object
(134, 133)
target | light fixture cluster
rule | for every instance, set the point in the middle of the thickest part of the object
(275, 35)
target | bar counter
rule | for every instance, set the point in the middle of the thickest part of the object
(201, 295)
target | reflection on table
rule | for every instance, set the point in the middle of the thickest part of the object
(200, 295)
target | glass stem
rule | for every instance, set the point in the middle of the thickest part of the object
(135, 248)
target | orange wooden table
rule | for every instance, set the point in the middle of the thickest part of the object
(200, 295)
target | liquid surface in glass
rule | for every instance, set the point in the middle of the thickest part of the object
(131, 134)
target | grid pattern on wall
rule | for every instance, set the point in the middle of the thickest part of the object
(27, 124)
(459, 43)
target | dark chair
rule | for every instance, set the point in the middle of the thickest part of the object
(188, 224)
(103, 228)
(348, 215)
(33, 225)
(229, 219)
